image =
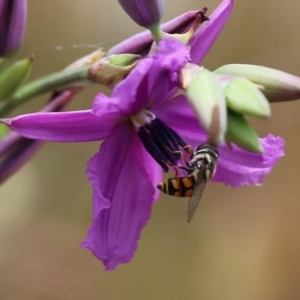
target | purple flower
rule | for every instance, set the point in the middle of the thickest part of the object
(141, 113)
(12, 25)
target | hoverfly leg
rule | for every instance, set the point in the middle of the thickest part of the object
(229, 145)
(177, 169)
(189, 150)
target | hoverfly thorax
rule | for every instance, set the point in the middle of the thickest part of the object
(204, 157)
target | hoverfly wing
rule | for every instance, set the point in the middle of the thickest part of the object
(197, 192)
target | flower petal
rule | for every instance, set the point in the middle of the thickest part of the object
(77, 126)
(163, 80)
(151, 81)
(238, 167)
(123, 196)
(203, 40)
(178, 114)
(16, 150)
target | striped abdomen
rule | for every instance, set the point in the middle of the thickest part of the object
(179, 186)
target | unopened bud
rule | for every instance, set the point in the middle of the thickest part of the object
(111, 70)
(276, 85)
(145, 13)
(3, 130)
(140, 43)
(206, 96)
(14, 76)
(13, 14)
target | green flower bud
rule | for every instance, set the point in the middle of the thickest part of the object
(240, 132)
(276, 85)
(87, 60)
(244, 97)
(14, 76)
(123, 60)
(206, 96)
(111, 70)
(3, 130)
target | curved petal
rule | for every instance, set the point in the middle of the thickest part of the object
(77, 126)
(128, 96)
(178, 114)
(123, 196)
(104, 105)
(238, 167)
(16, 150)
(151, 81)
(163, 80)
(203, 40)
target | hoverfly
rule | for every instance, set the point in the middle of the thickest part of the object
(200, 170)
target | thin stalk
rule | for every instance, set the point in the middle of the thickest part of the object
(42, 85)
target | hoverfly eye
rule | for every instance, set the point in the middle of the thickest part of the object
(207, 147)
(203, 146)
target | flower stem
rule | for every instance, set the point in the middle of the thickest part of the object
(156, 32)
(42, 85)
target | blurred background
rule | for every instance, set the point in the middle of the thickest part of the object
(243, 243)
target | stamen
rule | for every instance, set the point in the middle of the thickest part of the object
(161, 141)
(142, 118)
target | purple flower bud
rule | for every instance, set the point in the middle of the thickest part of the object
(13, 15)
(144, 12)
(141, 43)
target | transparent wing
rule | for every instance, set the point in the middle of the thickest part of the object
(197, 193)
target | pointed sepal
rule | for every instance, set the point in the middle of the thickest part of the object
(241, 133)
(245, 97)
(111, 70)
